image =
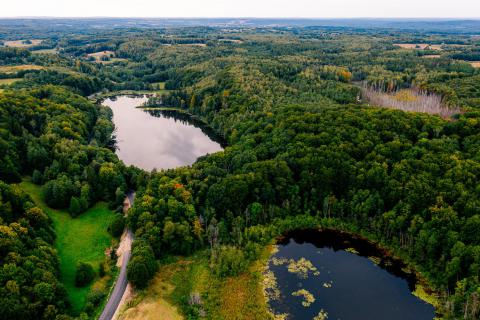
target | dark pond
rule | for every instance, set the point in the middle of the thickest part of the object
(154, 139)
(331, 275)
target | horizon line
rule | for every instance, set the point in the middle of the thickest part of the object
(227, 17)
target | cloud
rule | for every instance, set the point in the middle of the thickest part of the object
(242, 8)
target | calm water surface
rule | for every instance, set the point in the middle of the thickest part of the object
(151, 140)
(345, 283)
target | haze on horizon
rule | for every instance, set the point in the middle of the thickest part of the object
(244, 8)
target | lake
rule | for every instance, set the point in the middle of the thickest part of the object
(332, 275)
(155, 139)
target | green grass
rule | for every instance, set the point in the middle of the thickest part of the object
(84, 238)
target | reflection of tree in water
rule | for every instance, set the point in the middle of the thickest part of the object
(343, 241)
(188, 119)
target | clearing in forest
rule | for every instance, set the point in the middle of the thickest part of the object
(23, 67)
(419, 46)
(80, 239)
(409, 100)
(22, 43)
(475, 64)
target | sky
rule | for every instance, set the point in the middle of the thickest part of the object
(243, 8)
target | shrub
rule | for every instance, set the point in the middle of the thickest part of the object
(230, 261)
(101, 269)
(117, 226)
(37, 177)
(84, 274)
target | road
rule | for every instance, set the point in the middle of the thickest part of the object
(121, 284)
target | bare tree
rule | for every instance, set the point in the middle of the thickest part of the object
(412, 99)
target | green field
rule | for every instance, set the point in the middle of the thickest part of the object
(84, 238)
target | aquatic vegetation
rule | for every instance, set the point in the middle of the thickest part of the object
(327, 284)
(308, 298)
(351, 250)
(274, 249)
(281, 316)
(407, 270)
(270, 287)
(421, 293)
(302, 267)
(375, 260)
(322, 315)
(279, 261)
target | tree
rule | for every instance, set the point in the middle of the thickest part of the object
(229, 261)
(37, 177)
(142, 266)
(117, 226)
(58, 192)
(75, 207)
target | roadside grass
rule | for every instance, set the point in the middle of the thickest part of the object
(84, 238)
(239, 297)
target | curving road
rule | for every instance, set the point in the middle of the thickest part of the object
(121, 284)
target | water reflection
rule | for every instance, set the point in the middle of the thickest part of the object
(151, 140)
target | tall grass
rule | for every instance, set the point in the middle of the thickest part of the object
(409, 100)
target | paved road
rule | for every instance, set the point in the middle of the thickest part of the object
(121, 284)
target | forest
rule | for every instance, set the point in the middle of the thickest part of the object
(305, 147)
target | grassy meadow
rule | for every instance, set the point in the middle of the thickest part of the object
(179, 278)
(84, 238)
